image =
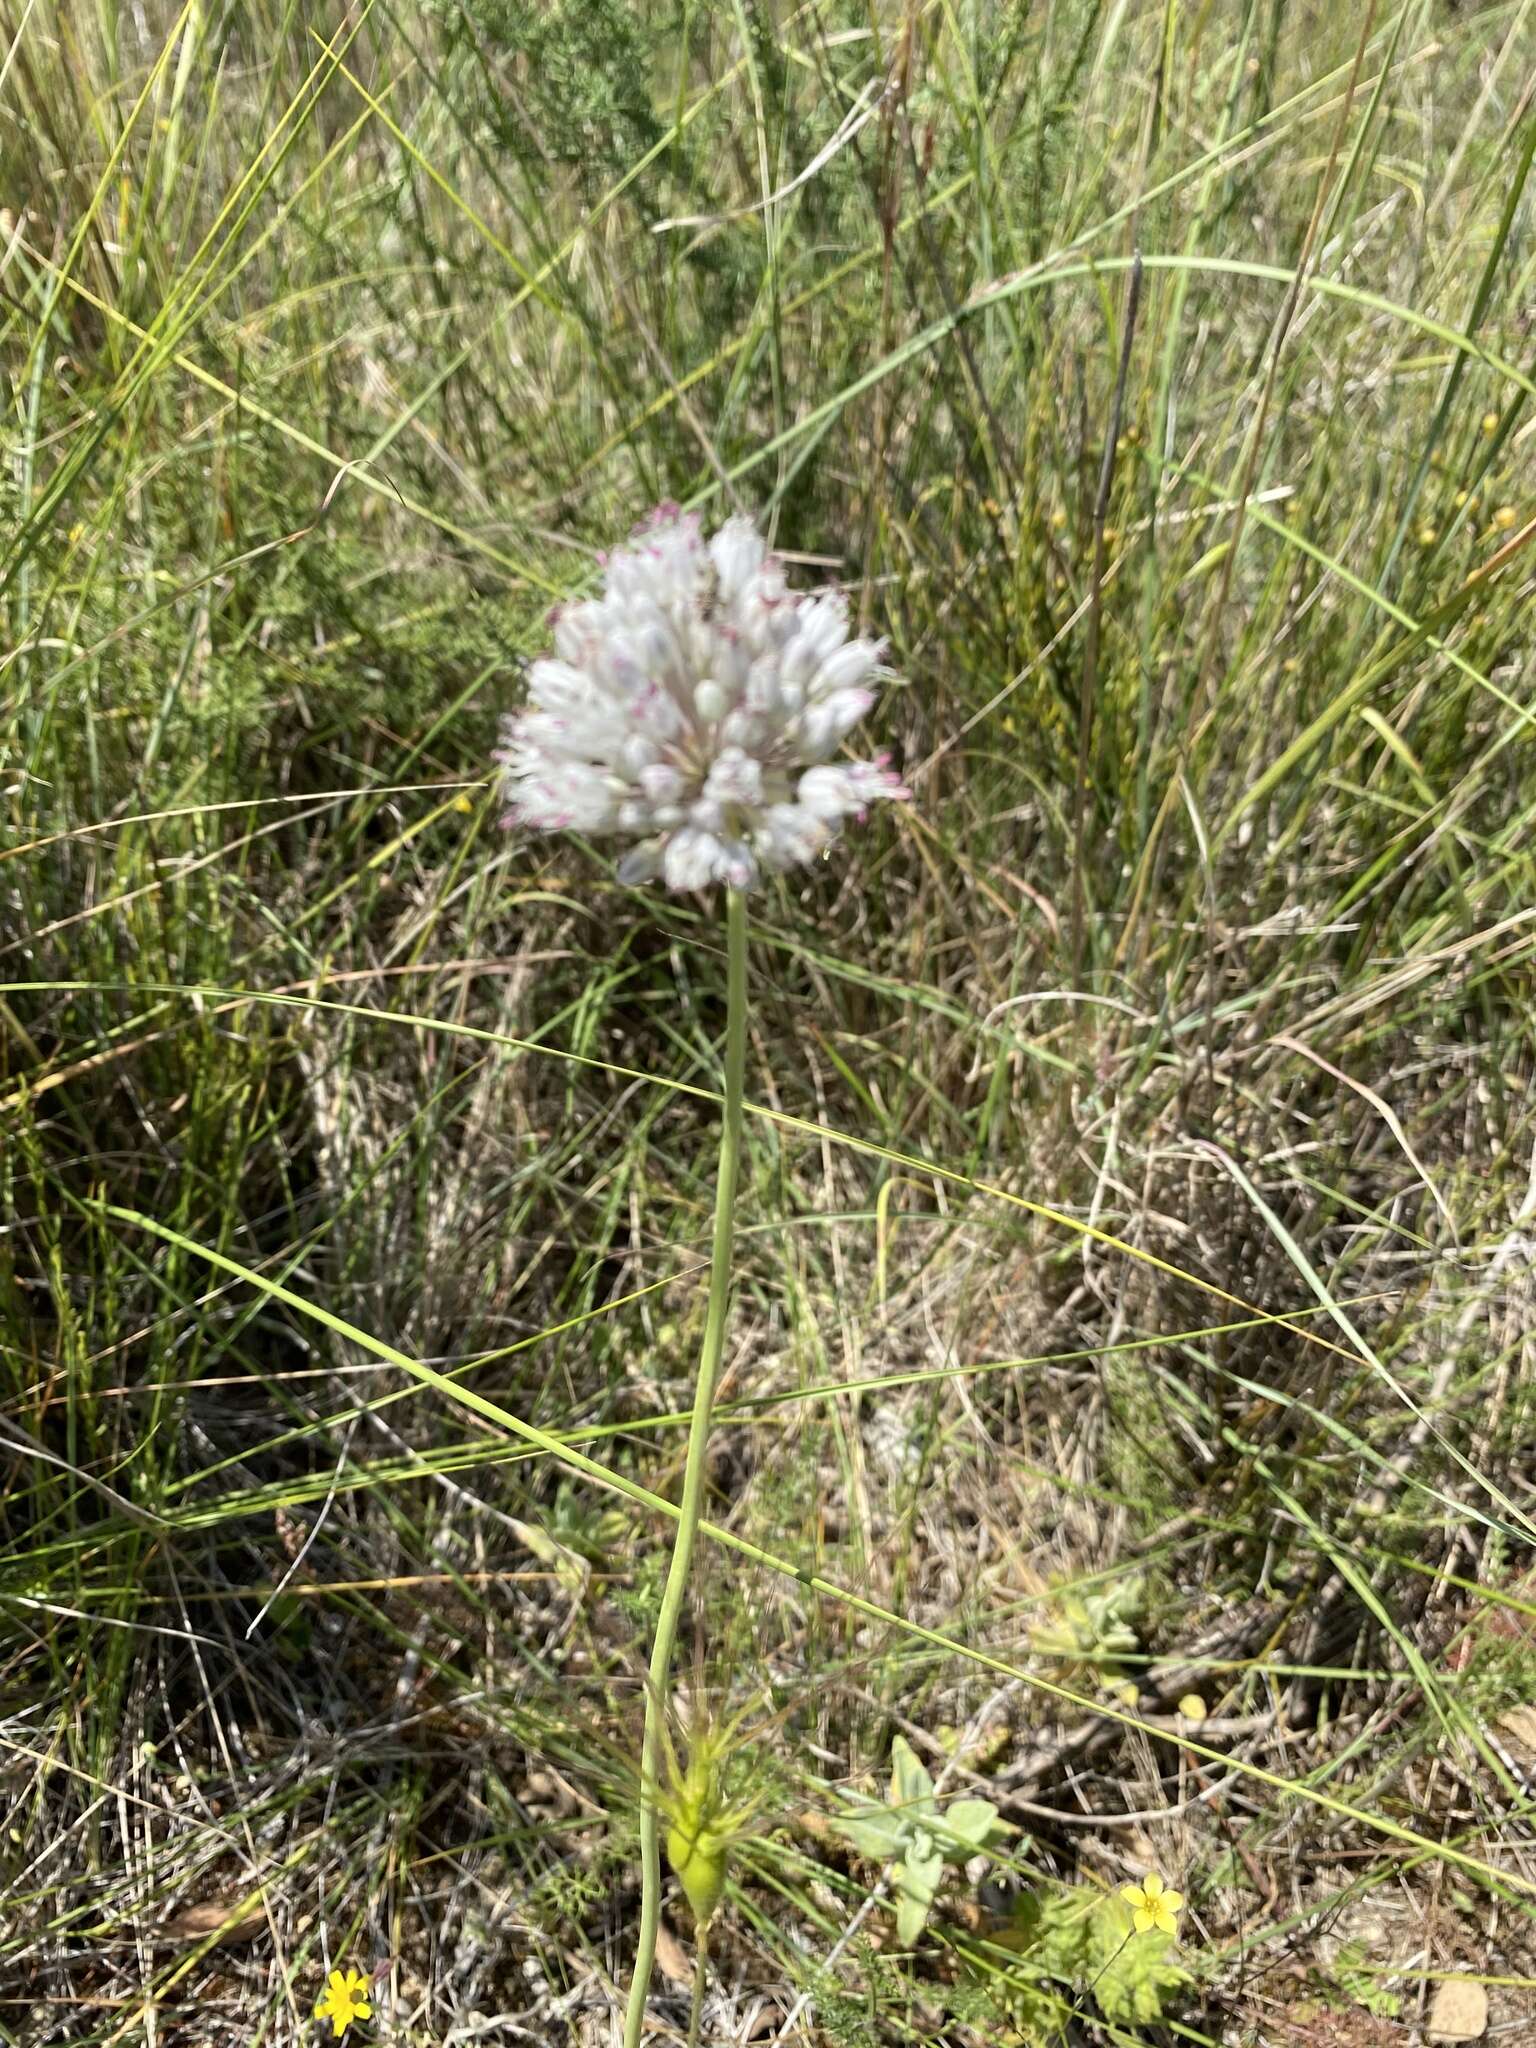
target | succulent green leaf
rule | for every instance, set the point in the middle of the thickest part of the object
(911, 1786)
(914, 1881)
(911, 1918)
(970, 1824)
(877, 1832)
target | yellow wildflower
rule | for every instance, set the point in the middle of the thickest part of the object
(1505, 518)
(345, 2000)
(1153, 1906)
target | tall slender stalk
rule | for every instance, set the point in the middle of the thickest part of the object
(658, 1691)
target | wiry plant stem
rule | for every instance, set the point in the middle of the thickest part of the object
(658, 1691)
(700, 1982)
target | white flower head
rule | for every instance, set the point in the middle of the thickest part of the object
(695, 708)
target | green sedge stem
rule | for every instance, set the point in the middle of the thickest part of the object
(700, 1979)
(658, 1691)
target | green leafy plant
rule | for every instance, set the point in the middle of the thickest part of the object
(1084, 1942)
(914, 1838)
(1092, 1632)
(1351, 1975)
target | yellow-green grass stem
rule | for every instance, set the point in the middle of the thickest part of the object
(700, 1982)
(686, 1528)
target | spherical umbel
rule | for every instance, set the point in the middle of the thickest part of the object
(694, 708)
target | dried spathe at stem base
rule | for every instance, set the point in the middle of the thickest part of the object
(695, 708)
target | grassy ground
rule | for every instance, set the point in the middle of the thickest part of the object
(1129, 1390)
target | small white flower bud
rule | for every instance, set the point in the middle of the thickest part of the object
(710, 701)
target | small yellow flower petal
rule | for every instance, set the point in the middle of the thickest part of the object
(1153, 1906)
(345, 2000)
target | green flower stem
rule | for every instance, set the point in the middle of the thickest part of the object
(700, 1980)
(658, 1691)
